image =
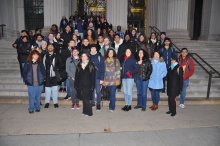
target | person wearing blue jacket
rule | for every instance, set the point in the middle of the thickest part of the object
(129, 68)
(34, 76)
(98, 60)
(166, 51)
(156, 79)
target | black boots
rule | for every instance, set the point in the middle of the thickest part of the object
(46, 105)
(126, 108)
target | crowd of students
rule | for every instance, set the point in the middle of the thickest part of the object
(85, 54)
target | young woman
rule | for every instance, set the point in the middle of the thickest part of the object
(174, 84)
(143, 73)
(85, 83)
(34, 76)
(153, 42)
(90, 36)
(112, 75)
(129, 67)
(142, 44)
(156, 79)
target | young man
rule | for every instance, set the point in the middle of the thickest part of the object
(98, 61)
(71, 65)
(188, 67)
(51, 62)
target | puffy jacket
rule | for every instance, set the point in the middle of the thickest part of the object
(157, 75)
(99, 63)
(146, 68)
(27, 74)
(129, 68)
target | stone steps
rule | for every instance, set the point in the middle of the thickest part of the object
(11, 83)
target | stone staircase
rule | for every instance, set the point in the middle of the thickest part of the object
(11, 84)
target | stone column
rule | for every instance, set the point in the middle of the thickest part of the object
(177, 18)
(117, 12)
(162, 15)
(54, 10)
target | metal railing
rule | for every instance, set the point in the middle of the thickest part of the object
(2, 30)
(212, 72)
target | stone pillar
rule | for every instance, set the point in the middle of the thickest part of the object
(177, 18)
(162, 15)
(54, 10)
(117, 12)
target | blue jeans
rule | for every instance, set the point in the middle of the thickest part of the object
(34, 93)
(183, 92)
(142, 92)
(112, 93)
(128, 89)
(51, 90)
(73, 92)
(155, 95)
(21, 64)
(97, 93)
(67, 83)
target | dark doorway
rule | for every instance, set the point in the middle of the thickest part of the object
(34, 14)
(197, 19)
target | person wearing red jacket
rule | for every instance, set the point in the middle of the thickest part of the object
(188, 67)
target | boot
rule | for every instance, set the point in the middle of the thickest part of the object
(46, 105)
(128, 108)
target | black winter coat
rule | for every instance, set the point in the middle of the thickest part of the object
(85, 80)
(66, 38)
(146, 70)
(23, 51)
(174, 81)
(52, 80)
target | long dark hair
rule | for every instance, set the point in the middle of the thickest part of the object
(114, 53)
(93, 34)
(145, 57)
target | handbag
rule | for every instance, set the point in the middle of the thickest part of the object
(105, 93)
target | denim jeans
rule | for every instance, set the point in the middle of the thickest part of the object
(128, 89)
(183, 92)
(67, 83)
(21, 64)
(112, 94)
(97, 93)
(155, 95)
(73, 93)
(142, 92)
(34, 93)
(51, 90)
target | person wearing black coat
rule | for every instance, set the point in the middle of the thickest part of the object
(66, 36)
(85, 79)
(34, 76)
(174, 84)
(143, 73)
(53, 77)
(23, 50)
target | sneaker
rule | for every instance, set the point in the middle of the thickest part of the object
(111, 111)
(37, 110)
(69, 98)
(31, 112)
(77, 106)
(143, 109)
(182, 106)
(137, 107)
(46, 105)
(72, 107)
(56, 105)
(98, 107)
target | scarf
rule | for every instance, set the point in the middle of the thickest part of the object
(84, 64)
(173, 65)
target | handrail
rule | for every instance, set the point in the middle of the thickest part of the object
(210, 73)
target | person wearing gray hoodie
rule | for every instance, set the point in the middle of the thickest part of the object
(71, 65)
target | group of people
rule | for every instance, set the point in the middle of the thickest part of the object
(83, 58)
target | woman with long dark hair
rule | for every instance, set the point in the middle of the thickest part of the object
(85, 78)
(142, 78)
(129, 67)
(90, 36)
(34, 76)
(112, 75)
